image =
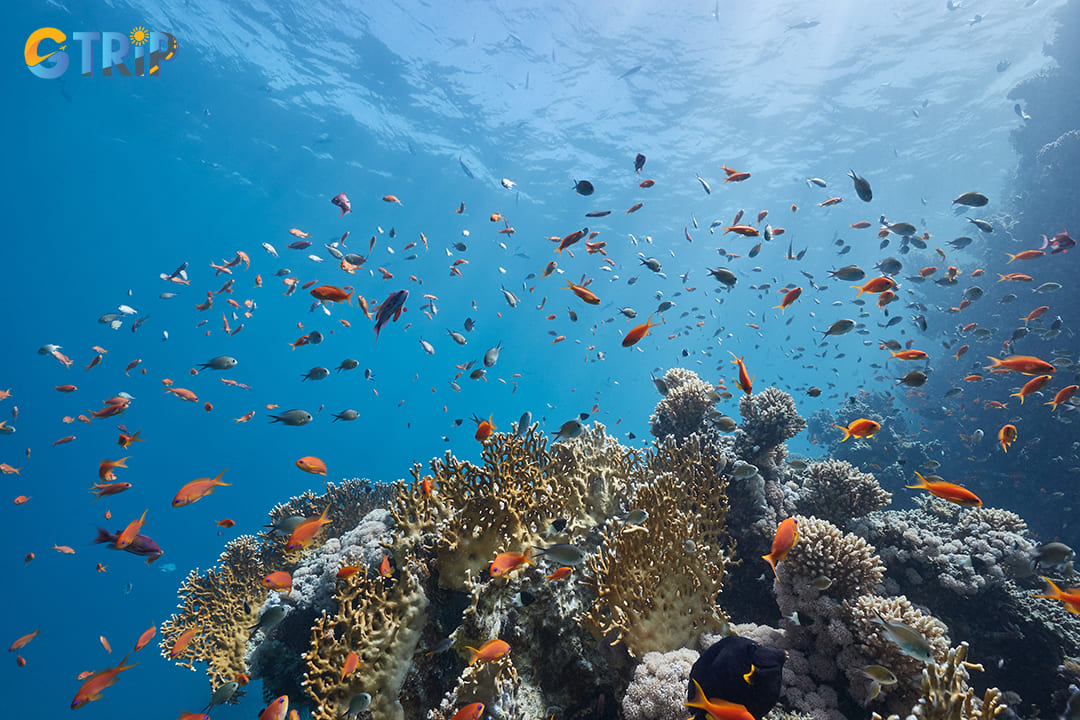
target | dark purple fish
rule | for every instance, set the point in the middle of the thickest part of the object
(1059, 243)
(300, 245)
(598, 213)
(141, 545)
(391, 308)
(639, 163)
(342, 201)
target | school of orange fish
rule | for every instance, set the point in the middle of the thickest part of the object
(384, 314)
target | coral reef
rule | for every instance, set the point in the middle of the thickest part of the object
(222, 605)
(833, 490)
(380, 620)
(685, 407)
(650, 541)
(947, 696)
(659, 686)
(678, 551)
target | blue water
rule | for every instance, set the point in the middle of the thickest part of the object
(270, 109)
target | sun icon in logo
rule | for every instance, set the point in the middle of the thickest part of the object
(139, 36)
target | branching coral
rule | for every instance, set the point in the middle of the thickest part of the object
(835, 491)
(502, 505)
(685, 408)
(676, 556)
(947, 696)
(222, 605)
(380, 620)
(593, 473)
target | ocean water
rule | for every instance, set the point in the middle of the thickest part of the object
(268, 110)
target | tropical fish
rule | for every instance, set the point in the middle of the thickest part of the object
(787, 534)
(947, 491)
(861, 428)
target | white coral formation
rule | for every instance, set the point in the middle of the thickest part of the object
(964, 550)
(836, 491)
(685, 408)
(769, 418)
(659, 686)
(824, 551)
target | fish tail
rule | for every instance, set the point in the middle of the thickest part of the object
(1054, 591)
(1019, 395)
(847, 433)
(859, 288)
(218, 478)
(1052, 402)
(699, 700)
(475, 654)
(922, 483)
(781, 307)
(772, 563)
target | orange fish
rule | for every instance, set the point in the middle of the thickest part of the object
(126, 440)
(1026, 364)
(861, 225)
(62, 441)
(584, 293)
(1033, 385)
(1070, 597)
(637, 332)
(787, 534)
(244, 418)
(94, 685)
(963, 349)
(745, 382)
(947, 491)
(198, 489)
(103, 568)
(635, 207)
(306, 531)
(470, 712)
(105, 644)
(484, 428)
(861, 428)
(226, 523)
(507, 562)
(831, 201)
(646, 184)
(348, 571)
(277, 710)
(146, 637)
(1007, 436)
(718, 709)
(744, 230)
(23, 641)
(182, 642)
(64, 549)
(909, 355)
(332, 293)
(391, 199)
(351, 661)
(183, 394)
(559, 574)
(1035, 314)
(279, 581)
(789, 297)
(313, 465)
(736, 177)
(127, 536)
(105, 468)
(927, 271)
(876, 285)
(489, 651)
(1015, 277)
(298, 233)
(1025, 255)
(21, 499)
(1063, 395)
(66, 388)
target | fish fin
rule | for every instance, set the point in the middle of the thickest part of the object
(772, 563)
(699, 700)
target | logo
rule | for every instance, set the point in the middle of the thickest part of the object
(107, 51)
